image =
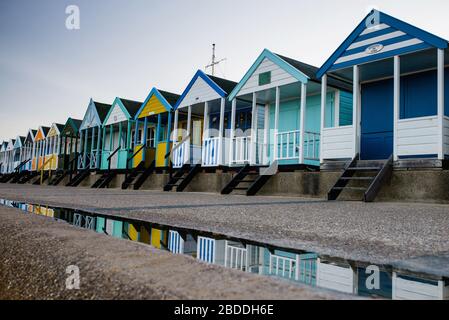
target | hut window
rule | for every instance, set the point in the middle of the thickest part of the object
(419, 95)
(150, 137)
(264, 78)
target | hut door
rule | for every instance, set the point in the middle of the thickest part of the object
(377, 120)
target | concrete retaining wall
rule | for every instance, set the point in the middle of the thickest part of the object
(405, 185)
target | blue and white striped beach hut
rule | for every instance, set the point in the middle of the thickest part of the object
(397, 72)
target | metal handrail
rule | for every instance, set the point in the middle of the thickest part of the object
(43, 167)
(132, 157)
(111, 155)
(72, 165)
(134, 154)
(178, 145)
(69, 165)
(22, 164)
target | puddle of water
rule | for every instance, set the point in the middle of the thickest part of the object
(297, 267)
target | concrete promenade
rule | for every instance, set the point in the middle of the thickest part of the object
(407, 235)
(35, 252)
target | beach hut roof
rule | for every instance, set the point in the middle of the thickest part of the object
(380, 36)
(157, 101)
(131, 106)
(170, 97)
(19, 142)
(102, 109)
(221, 86)
(301, 71)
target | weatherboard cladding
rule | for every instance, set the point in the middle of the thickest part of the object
(282, 71)
(116, 115)
(55, 130)
(91, 118)
(387, 38)
(279, 77)
(157, 102)
(122, 110)
(20, 141)
(72, 127)
(11, 144)
(199, 92)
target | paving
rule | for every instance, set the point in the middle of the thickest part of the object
(410, 235)
(35, 252)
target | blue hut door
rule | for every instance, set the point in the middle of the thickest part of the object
(377, 120)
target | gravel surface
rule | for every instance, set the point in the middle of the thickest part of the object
(35, 252)
(381, 233)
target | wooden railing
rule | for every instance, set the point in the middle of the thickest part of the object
(236, 257)
(241, 146)
(282, 266)
(179, 153)
(288, 145)
(211, 151)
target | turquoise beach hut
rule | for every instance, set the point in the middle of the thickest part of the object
(285, 97)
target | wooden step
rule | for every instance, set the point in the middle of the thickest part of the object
(358, 178)
(349, 188)
(363, 169)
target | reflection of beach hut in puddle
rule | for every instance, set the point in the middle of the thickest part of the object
(407, 287)
(379, 285)
(338, 276)
(211, 250)
(110, 226)
(181, 243)
(292, 266)
(159, 238)
(44, 211)
(84, 221)
(244, 257)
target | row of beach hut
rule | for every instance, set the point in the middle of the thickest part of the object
(379, 97)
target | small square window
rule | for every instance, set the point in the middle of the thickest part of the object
(264, 78)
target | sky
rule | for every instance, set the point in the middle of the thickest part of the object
(125, 47)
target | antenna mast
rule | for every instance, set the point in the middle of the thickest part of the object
(214, 62)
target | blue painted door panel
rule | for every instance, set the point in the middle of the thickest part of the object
(377, 120)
